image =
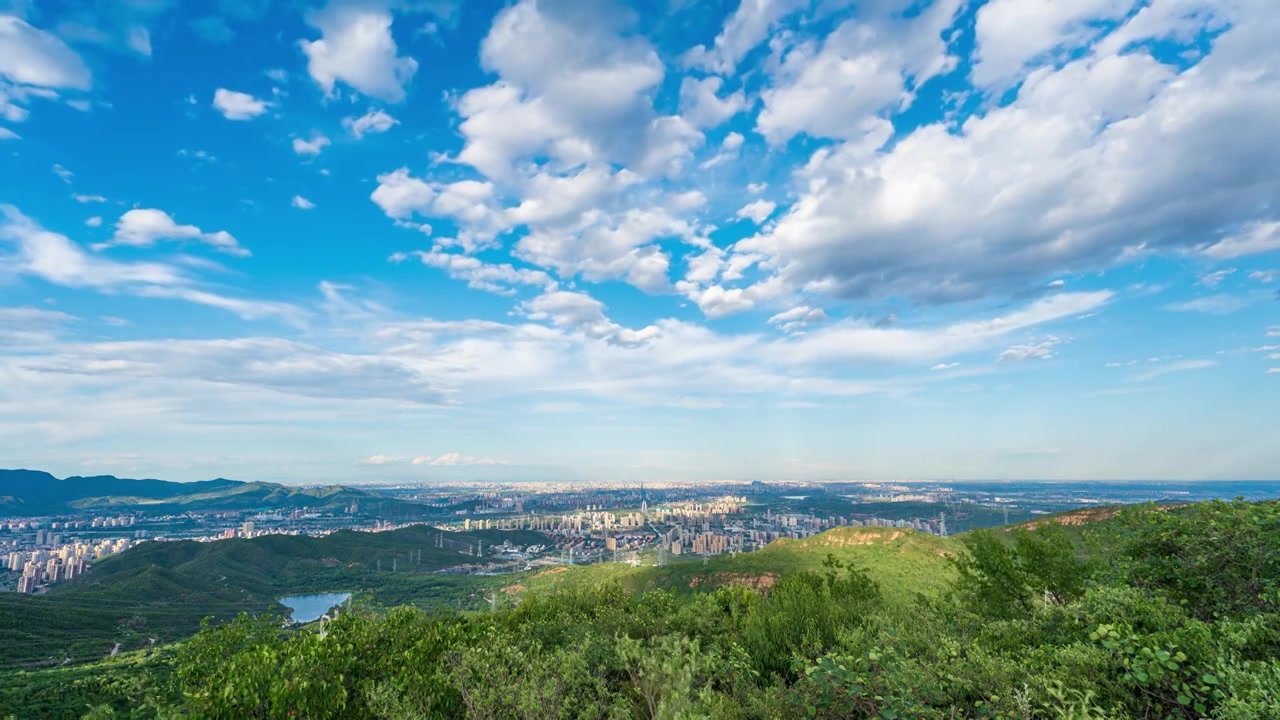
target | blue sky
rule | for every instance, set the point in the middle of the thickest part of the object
(430, 239)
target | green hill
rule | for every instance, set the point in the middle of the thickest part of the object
(32, 492)
(903, 562)
(162, 590)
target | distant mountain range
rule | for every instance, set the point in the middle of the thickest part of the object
(33, 492)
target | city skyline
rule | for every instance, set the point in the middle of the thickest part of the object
(429, 240)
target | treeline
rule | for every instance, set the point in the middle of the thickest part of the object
(1158, 613)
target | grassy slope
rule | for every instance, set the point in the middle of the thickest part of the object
(902, 561)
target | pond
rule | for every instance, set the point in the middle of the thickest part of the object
(305, 608)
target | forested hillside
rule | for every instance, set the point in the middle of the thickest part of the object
(1153, 613)
(159, 592)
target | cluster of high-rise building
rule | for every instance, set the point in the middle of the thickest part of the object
(47, 566)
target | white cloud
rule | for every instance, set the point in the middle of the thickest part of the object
(88, 198)
(850, 340)
(1264, 276)
(34, 64)
(1173, 367)
(60, 261)
(611, 247)
(237, 105)
(57, 260)
(945, 366)
(1273, 331)
(1273, 371)
(798, 318)
(455, 459)
(1256, 238)
(374, 121)
(490, 277)
(1042, 350)
(757, 211)
(581, 312)
(302, 203)
(380, 460)
(401, 195)
(701, 104)
(7, 134)
(729, 150)
(144, 227)
(356, 48)
(864, 68)
(745, 29)
(1213, 279)
(63, 173)
(313, 146)
(573, 86)
(1012, 33)
(94, 221)
(885, 222)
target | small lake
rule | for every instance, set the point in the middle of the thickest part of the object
(305, 608)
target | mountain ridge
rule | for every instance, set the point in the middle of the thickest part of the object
(36, 492)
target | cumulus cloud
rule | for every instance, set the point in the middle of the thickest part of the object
(237, 105)
(988, 206)
(841, 87)
(1013, 33)
(744, 30)
(380, 460)
(311, 147)
(401, 195)
(757, 211)
(144, 227)
(579, 311)
(701, 104)
(496, 278)
(573, 85)
(356, 48)
(374, 121)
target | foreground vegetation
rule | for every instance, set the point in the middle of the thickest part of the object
(1156, 613)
